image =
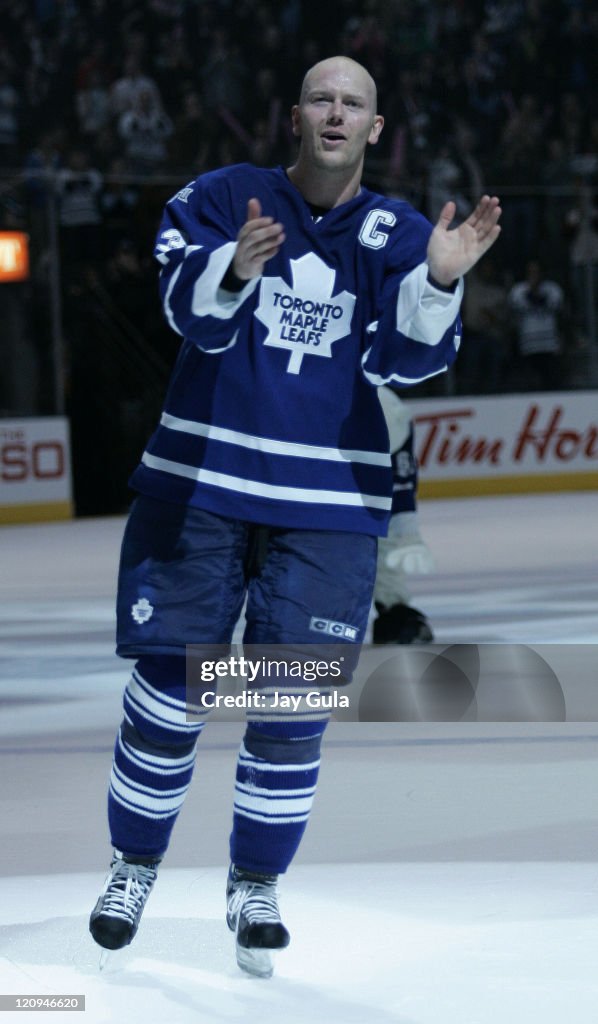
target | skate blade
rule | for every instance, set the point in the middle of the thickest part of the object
(257, 962)
(104, 957)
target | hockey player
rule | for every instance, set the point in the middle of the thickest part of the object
(297, 293)
(402, 552)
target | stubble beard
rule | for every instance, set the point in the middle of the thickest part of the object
(334, 162)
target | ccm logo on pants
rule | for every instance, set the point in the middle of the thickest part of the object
(334, 628)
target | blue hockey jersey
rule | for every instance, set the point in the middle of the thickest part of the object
(271, 415)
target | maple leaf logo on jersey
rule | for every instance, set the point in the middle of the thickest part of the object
(307, 318)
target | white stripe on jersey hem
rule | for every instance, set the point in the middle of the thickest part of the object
(277, 492)
(271, 446)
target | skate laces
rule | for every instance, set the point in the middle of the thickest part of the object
(257, 900)
(127, 888)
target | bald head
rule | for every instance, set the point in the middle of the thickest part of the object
(336, 121)
(342, 70)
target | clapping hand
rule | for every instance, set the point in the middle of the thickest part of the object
(258, 241)
(451, 253)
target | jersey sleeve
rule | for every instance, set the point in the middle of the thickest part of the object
(418, 329)
(195, 245)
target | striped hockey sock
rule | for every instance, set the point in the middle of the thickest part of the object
(154, 757)
(277, 772)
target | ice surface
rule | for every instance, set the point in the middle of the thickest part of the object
(371, 943)
(449, 873)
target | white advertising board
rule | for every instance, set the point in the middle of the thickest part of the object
(516, 443)
(35, 469)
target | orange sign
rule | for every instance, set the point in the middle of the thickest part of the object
(14, 256)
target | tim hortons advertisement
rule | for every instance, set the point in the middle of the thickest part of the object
(35, 470)
(519, 443)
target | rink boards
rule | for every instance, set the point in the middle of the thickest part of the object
(506, 445)
(35, 470)
(465, 447)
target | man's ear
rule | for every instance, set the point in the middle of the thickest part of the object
(296, 121)
(377, 126)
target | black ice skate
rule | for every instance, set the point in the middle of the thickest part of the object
(115, 917)
(401, 624)
(252, 911)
